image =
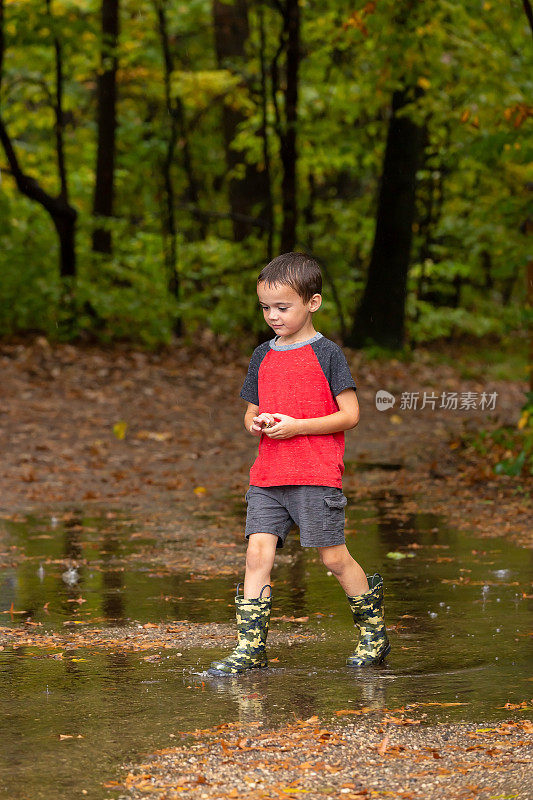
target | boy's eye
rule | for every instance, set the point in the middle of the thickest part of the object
(282, 309)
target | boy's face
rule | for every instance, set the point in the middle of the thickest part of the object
(284, 309)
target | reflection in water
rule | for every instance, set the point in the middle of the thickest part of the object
(72, 547)
(374, 693)
(112, 579)
(457, 612)
(258, 694)
(249, 701)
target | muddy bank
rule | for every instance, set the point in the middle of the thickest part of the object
(161, 436)
(150, 636)
(392, 753)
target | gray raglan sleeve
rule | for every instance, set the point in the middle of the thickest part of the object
(340, 375)
(250, 387)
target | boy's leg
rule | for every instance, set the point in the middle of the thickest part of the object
(259, 562)
(252, 610)
(366, 604)
(350, 575)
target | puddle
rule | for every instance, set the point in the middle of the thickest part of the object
(460, 631)
(86, 570)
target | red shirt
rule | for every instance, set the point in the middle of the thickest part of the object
(301, 380)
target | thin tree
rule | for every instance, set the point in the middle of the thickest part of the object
(249, 194)
(263, 132)
(104, 189)
(287, 129)
(177, 131)
(528, 12)
(63, 214)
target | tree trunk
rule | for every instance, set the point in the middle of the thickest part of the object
(380, 317)
(269, 208)
(107, 124)
(63, 215)
(288, 150)
(169, 216)
(247, 195)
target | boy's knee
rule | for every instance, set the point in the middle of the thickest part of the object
(335, 559)
(260, 552)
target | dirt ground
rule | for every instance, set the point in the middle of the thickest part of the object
(389, 755)
(161, 436)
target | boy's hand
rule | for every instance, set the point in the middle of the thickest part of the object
(259, 423)
(284, 428)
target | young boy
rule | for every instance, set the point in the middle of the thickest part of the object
(301, 398)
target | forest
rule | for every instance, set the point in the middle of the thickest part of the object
(156, 154)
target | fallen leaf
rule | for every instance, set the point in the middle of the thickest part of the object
(397, 556)
(120, 428)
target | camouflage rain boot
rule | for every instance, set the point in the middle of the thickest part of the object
(367, 610)
(252, 628)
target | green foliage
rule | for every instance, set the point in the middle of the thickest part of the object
(428, 322)
(520, 460)
(29, 282)
(471, 63)
(509, 449)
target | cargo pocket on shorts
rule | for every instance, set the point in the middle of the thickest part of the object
(334, 512)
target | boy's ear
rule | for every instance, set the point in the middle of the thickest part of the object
(315, 302)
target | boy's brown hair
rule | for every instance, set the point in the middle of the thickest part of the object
(297, 270)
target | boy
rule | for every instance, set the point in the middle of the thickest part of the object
(301, 398)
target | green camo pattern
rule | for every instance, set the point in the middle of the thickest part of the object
(253, 617)
(367, 610)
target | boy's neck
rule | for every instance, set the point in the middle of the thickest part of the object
(305, 333)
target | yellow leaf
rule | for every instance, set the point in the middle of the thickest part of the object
(395, 419)
(424, 83)
(120, 428)
(522, 422)
(200, 490)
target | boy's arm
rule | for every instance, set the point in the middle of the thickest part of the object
(342, 420)
(251, 412)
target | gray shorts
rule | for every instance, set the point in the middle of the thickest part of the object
(317, 510)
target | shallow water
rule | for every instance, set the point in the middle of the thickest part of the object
(460, 633)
